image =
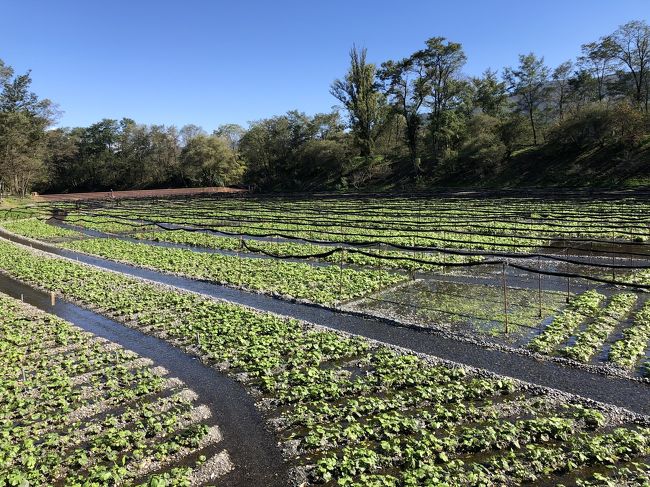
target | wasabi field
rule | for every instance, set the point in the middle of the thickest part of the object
(458, 339)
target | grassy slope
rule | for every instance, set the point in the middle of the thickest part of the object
(608, 167)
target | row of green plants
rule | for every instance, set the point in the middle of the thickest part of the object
(424, 218)
(75, 410)
(338, 232)
(499, 214)
(284, 249)
(588, 342)
(39, 229)
(355, 413)
(324, 285)
(591, 340)
(632, 346)
(581, 308)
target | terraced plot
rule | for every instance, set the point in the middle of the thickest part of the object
(79, 410)
(352, 413)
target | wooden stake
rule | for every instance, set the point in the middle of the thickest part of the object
(241, 247)
(613, 269)
(539, 284)
(52, 298)
(505, 296)
(341, 276)
(568, 279)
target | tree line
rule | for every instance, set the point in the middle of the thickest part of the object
(409, 119)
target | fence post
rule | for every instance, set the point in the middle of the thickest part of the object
(414, 256)
(539, 284)
(505, 296)
(568, 279)
(613, 263)
(241, 248)
(342, 252)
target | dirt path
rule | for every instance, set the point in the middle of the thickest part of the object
(141, 193)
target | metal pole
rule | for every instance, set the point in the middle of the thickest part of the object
(505, 296)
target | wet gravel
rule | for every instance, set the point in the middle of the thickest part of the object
(621, 392)
(250, 445)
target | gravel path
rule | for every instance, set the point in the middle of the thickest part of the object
(629, 394)
(251, 447)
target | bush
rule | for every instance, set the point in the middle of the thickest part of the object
(483, 150)
(599, 125)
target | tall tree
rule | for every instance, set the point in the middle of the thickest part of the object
(490, 94)
(360, 94)
(597, 60)
(231, 133)
(24, 119)
(529, 84)
(208, 160)
(631, 43)
(443, 61)
(188, 132)
(561, 76)
(407, 85)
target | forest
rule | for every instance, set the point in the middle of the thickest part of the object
(416, 122)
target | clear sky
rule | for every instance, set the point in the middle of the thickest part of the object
(212, 62)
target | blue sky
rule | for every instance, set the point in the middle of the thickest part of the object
(212, 62)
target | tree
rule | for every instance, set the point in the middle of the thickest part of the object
(597, 59)
(231, 133)
(560, 77)
(62, 155)
(484, 149)
(407, 86)
(631, 43)
(490, 94)
(24, 119)
(359, 93)
(326, 126)
(529, 84)
(188, 132)
(583, 89)
(442, 60)
(97, 166)
(209, 161)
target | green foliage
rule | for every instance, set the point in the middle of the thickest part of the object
(360, 93)
(582, 307)
(325, 285)
(398, 421)
(209, 161)
(90, 416)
